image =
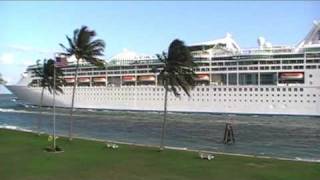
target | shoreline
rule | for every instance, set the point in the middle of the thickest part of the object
(14, 128)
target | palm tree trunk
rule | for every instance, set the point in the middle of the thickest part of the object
(164, 119)
(40, 109)
(72, 101)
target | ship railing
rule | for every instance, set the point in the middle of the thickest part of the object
(265, 51)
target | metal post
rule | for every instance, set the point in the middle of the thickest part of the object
(136, 80)
(163, 130)
(54, 107)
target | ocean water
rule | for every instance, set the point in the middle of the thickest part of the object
(294, 137)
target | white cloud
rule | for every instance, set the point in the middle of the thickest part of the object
(10, 59)
(20, 47)
(28, 62)
(25, 48)
(7, 58)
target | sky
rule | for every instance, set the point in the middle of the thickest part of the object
(33, 30)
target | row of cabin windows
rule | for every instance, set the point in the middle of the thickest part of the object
(257, 68)
(296, 61)
(197, 94)
(205, 69)
(214, 69)
(110, 71)
(200, 70)
(311, 58)
(207, 89)
(203, 89)
(89, 71)
(208, 100)
(256, 89)
(255, 57)
(234, 63)
(266, 95)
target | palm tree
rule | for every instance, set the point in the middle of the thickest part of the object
(84, 48)
(45, 72)
(178, 71)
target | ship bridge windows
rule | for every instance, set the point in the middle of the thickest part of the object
(243, 68)
(232, 79)
(204, 69)
(312, 67)
(232, 68)
(219, 79)
(253, 68)
(264, 68)
(298, 67)
(288, 56)
(285, 62)
(222, 58)
(313, 61)
(248, 79)
(275, 67)
(292, 62)
(271, 62)
(231, 63)
(248, 63)
(217, 64)
(286, 67)
(268, 79)
(262, 62)
(313, 55)
(202, 64)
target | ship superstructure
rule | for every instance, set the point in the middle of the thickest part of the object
(266, 80)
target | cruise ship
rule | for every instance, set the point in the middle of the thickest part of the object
(271, 80)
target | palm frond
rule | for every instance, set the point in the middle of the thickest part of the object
(83, 46)
(45, 72)
(178, 70)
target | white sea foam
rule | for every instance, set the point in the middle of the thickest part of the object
(14, 110)
(5, 126)
(307, 159)
(7, 110)
(26, 112)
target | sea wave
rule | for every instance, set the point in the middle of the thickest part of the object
(307, 159)
(5, 126)
(14, 111)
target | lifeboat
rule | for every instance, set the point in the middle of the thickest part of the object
(99, 79)
(202, 77)
(69, 80)
(147, 78)
(83, 80)
(128, 78)
(291, 75)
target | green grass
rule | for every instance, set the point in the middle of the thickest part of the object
(22, 157)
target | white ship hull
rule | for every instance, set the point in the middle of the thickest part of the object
(211, 99)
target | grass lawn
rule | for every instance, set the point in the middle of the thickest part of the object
(22, 157)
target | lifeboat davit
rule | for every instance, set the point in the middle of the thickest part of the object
(202, 77)
(291, 75)
(69, 80)
(147, 78)
(84, 80)
(128, 78)
(99, 79)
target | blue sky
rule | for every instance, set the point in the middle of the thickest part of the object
(33, 30)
